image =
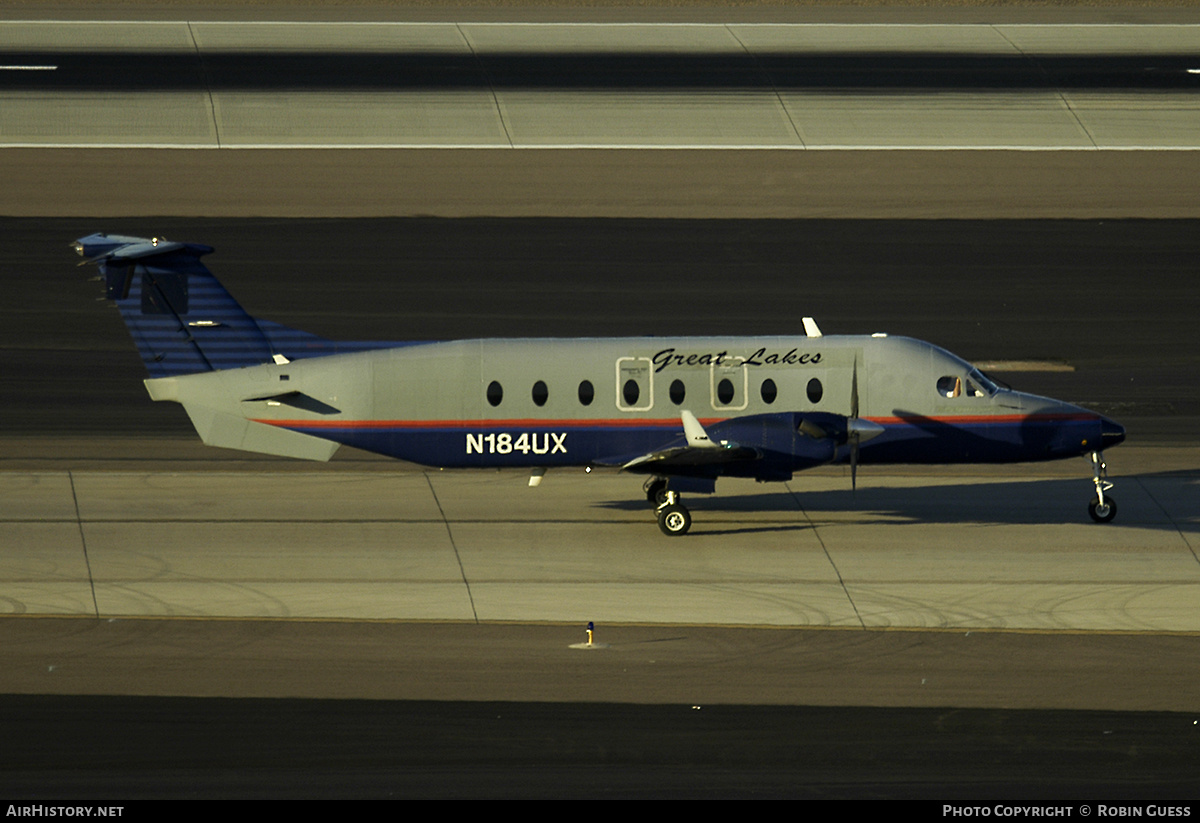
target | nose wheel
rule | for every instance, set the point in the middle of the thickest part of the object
(1103, 508)
(673, 517)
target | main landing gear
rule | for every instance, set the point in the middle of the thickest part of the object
(1103, 508)
(656, 490)
(673, 517)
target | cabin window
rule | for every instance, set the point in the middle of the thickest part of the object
(540, 393)
(495, 393)
(587, 393)
(950, 386)
(725, 391)
(814, 391)
(769, 391)
(631, 392)
(677, 392)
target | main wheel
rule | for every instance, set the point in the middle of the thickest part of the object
(674, 520)
(656, 491)
(1103, 513)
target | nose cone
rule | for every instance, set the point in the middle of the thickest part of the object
(1111, 433)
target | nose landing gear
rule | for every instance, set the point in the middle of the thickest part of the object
(1104, 507)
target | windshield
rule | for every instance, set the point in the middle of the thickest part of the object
(982, 381)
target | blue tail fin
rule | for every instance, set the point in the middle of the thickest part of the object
(182, 319)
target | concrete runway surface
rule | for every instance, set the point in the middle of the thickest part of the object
(520, 85)
(992, 549)
(994, 113)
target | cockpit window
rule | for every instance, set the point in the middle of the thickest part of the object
(949, 386)
(983, 381)
(975, 384)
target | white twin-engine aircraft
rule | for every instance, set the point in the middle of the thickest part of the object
(683, 411)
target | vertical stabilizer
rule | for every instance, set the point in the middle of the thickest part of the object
(180, 316)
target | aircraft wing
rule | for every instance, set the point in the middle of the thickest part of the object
(698, 452)
(761, 446)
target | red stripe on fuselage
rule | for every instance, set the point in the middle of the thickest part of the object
(972, 419)
(626, 422)
(482, 424)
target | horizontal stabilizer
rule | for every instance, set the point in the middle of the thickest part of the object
(215, 412)
(230, 431)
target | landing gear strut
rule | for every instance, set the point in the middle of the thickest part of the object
(673, 517)
(1103, 508)
(655, 488)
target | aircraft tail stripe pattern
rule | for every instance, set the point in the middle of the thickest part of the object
(184, 321)
(180, 316)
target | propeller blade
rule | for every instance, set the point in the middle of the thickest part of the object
(853, 435)
(854, 390)
(854, 462)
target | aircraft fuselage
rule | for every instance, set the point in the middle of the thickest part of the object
(570, 402)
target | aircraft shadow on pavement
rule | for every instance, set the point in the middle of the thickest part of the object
(1011, 502)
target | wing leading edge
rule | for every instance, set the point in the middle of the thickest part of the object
(760, 446)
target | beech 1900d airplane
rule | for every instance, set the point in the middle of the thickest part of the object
(683, 411)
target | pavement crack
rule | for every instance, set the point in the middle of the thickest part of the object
(1178, 529)
(83, 544)
(208, 86)
(457, 557)
(828, 556)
